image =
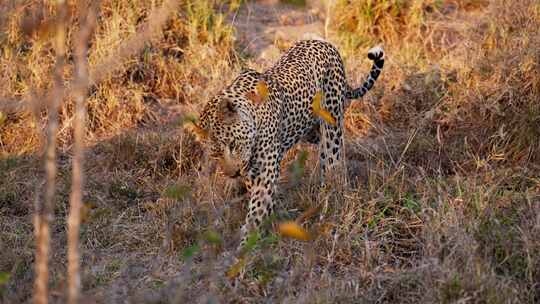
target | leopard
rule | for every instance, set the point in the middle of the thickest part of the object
(251, 124)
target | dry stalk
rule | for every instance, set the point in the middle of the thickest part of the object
(87, 19)
(44, 211)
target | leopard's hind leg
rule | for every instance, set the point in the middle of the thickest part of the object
(331, 135)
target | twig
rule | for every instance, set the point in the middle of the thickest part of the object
(87, 19)
(44, 211)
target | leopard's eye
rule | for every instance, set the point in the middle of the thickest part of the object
(232, 145)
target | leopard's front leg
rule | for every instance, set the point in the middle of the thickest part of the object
(261, 202)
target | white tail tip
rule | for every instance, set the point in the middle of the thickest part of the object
(377, 52)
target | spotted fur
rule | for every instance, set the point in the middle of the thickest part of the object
(252, 138)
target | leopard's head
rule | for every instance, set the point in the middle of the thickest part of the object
(227, 129)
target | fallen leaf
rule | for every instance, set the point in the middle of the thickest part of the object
(262, 89)
(293, 230)
(322, 113)
(261, 93)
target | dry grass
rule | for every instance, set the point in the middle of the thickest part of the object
(443, 200)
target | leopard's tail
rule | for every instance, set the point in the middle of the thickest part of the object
(375, 54)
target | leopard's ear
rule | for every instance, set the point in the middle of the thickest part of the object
(261, 93)
(227, 111)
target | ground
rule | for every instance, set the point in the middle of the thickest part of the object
(442, 203)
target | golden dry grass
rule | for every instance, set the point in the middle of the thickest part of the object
(443, 158)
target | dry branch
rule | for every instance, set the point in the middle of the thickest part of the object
(44, 211)
(87, 19)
